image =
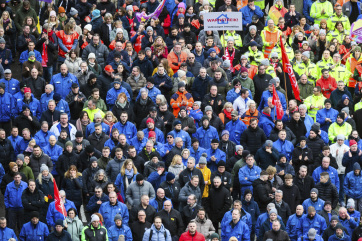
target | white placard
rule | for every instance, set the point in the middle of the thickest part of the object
(223, 21)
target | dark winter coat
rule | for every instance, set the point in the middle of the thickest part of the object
(253, 139)
(328, 192)
(265, 159)
(32, 202)
(261, 190)
(291, 196)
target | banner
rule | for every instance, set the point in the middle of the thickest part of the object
(223, 21)
(59, 205)
(356, 31)
(278, 105)
(142, 17)
(287, 68)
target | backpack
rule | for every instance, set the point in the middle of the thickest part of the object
(151, 233)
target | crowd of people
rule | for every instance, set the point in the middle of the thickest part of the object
(160, 130)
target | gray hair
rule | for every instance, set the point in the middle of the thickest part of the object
(101, 171)
(178, 139)
(279, 191)
(50, 86)
(62, 193)
(216, 178)
(303, 106)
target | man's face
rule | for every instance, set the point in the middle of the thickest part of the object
(271, 24)
(282, 135)
(299, 210)
(214, 146)
(235, 215)
(113, 198)
(279, 125)
(135, 72)
(145, 201)
(325, 163)
(96, 40)
(63, 119)
(313, 195)
(213, 91)
(195, 182)
(278, 197)
(276, 226)
(190, 164)
(2, 135)
(251, 4)
(37, 151)
(142, 217)
(250, 161)
(303, 172)
(124, 117)
(158, 223)
(98, 130)
(326, 54)
(35, 220)
(160, 194)
(26, 135)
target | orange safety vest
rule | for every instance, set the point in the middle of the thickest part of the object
(249, 116)
(112, 46)
(67, 39)
(354, 64)
(241, 3)
(251, 71)
(270, 37)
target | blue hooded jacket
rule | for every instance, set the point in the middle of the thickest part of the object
(247, 176)
(12, 86)
(114, 232)
(12, 196)
(42, 138)
(240, 231)
(333, 175)
(206, 135)
(317, 222)
(218, 154)
(353, 184)
(159, 134)
(236, 129)
(31, 232)
(318, 205)
(63, 84)
(265, 96)
(284, 147)
(266, 123)
(119, 183)
(184, 136)
(112, 96)
(53, 152)
(291, 227)
(44, 99)
(53, 215)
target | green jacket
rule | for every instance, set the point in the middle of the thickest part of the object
(235, 172)
(316, 11)
(27, 172)
(237, 38)
(305, 89)
(247, 83)
(21, 14)
(89, 233)
(100, 104)
(254, 57)
(331, 22)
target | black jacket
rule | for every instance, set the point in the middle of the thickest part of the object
(184, 177)
(104, 33)
(63, 236)
(328, 192)
(291, 196)
(325, 215)
(174, 151)
(252, 139)
(73, 189)
(172, 221)
(150, 213)
(216, 108)
(49, 116)
(22, 44)
(98, 142)
(65, 161)
(141, 111)
(189, 122)
(283, 210)
(262, 189)
(290, 135)
(138, 229)
(318, 161)
(331, 231)
(304, 185)
(298, 128)
(199, 87)
(357, 233)
(84, 159)
(228, 147)
(280, 235)
(172, 191)
(261, 82)
(23, 122)
(316, 145)
(37, 86)
(168, 117)
(225, 179)
(189, 213)
(88, 177)
(218, 203)
(305, 152)
(51, 48)
(6, 153)
(190, 37)
(75, 107)
(117, 110)
(32, 202)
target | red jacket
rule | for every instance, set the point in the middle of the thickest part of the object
(186, 236)
(324, 83)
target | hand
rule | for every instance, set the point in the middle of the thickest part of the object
(237, 90)
(330, 86)
(312, 106)
(268, 150)
(76, 98)
(300, 157)
(135, 24)
(305, 158)
(360, 153)
(231, 189)
(345, 150)
(103, 11)
(323, 11)
(323, 89)
(160, 171)
(55, 122)
(211, 102)
(273, 189)
(163, 83)
(6, 61)
(213, 158)
(281, 172)
(348, 217)
(30, 118)
(252, 8)
(206, 182)
(99, 202)
(65, 224)
(7, 27)
(337, 152)
(220, 102)
(279, 69)
(79, 147)
(27, 69)
(271, 43)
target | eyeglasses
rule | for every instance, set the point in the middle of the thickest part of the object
(98, 192)
(191, 57)
(169, 137)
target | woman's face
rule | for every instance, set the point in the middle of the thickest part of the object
(92, 60)
(229, 109)
(62, 15)
(159, 41)
(52, 18)
(71, 214)
(129, 166)
(29, 21)
(129, 12)
(158, 101)
(323, 25)
(296, 30)
(300, 37)
(144, 95)
(100, 176)
(322, 37)
(73, 55)
(332, 48)
(45, 173)
(339, 27)
(5, 16)
(72, 172)
(303, 21)
(85, 117)
(129, 47)
(190, 10)
(120, 68)
(119, 35)
(185, 155)
(109, 118)
(152, 23)
(15, 168)
(122, 99)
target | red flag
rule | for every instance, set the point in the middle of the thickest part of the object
(287, 68)
(278, 105)
(59, 205)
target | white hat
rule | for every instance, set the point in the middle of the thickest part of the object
(119, 30)
(91, 56)
(88, 27)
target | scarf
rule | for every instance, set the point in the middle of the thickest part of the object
(136, 78)
(229, 57)
(46, 178)
(6, 22)
(122, 104)
(227, 114)
(178, 56)
(92, 64)
(31, 60)
(190, 15)
(143, 102)
(44, 56)
(129, 174)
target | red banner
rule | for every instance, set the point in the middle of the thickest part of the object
(59, 205)
(278, 105)
(287, 68)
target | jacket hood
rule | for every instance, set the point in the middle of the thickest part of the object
(258, 182)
